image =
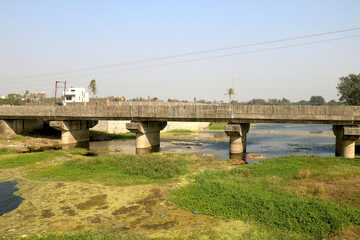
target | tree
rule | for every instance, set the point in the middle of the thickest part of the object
(92, 87)
(333, 102)
(230, 92)
(317, 101)
(257, 101)
(349, 89)
(14, 99)
(302, 102)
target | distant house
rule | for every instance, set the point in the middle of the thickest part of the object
(76, 95)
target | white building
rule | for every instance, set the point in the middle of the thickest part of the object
(76, 95)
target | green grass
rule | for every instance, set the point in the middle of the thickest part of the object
(115, 136)
(180, 131)
(116, 169)
(6, 151)
(266, 193)
(28, 158)
(81, 236)
(217, 126)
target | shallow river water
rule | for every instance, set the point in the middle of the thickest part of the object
(263, 141)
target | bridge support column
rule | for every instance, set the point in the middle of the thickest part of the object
(147, 133)
(237, 133)
(345, 140)
(74, 131)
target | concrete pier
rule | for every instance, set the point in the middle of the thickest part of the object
(73, 131)
(345, 140)
(147, 133)
(237, 133)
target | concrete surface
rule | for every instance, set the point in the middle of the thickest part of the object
(185, 112)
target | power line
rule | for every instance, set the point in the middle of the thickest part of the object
(212, 57)
(186, 54)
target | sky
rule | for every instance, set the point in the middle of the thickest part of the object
(180, 49)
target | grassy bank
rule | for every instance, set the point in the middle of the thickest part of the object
(115, 169)
(19, 160)
(7, 151)
(298, 195)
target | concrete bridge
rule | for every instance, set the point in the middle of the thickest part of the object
(148, 119)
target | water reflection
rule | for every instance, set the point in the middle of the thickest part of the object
(85, 145)
(259, 146)
(144, 151)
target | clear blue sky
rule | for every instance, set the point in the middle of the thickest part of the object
(41, 37)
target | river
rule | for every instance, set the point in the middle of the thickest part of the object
(263, 141)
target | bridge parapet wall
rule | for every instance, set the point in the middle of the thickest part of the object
(335, 115)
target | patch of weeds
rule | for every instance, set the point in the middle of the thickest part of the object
(154, 166)
(246, 193)
(28, 158)
(16, 137)
(116, 169)
(217, 126)
(6, 151)
(180, 131)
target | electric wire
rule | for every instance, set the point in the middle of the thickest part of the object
(185, 54)
(204, 58)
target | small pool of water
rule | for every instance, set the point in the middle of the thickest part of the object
(9, 201)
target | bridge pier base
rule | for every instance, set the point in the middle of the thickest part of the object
(237, 133)
(74, 131)
(345, 140)
(147, 134)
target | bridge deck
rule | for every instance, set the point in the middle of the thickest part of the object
(335, 115)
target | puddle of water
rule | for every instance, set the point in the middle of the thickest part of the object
(8, 201)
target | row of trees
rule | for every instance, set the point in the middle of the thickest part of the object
(314, 101)
(349, 92)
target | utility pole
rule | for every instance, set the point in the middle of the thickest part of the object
(234, 82)
(58, 85)
(234, 86)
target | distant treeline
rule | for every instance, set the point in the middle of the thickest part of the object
(17, 99)
(314, 100)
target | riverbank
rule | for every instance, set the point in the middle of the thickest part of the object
(174, 196)
(75, 194)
